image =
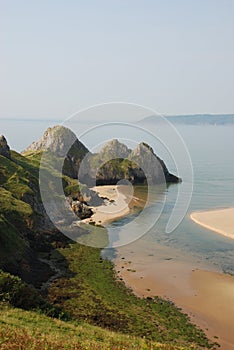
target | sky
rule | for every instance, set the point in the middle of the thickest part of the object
(60, 56)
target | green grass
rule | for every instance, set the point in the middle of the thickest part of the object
(19, 181)
(72, 188)
(19, 189)
(15, 178)
(116, 167)
(27, 330)
(90, 292)
(12, 246)
(14, 209)
(15, 216)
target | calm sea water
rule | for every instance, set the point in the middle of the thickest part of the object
(211, 150)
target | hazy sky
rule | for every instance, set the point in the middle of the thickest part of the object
(58, 56)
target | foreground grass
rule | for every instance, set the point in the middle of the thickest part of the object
(28, 330)
(89, 292)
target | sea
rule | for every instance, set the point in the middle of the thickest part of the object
(210, 175)
(211, 150)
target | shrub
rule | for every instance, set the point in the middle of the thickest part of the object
(21, 295)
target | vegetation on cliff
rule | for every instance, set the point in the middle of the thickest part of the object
(115, 161)
(86, 290)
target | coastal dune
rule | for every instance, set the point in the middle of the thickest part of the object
(220, 220)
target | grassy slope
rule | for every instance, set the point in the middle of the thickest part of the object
(18, 177)
(88, 291)
(18, 187)
(91, 292)
(29, 330)
(14, 213)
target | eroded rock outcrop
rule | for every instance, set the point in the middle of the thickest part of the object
(4, 148)
(82, 210)
(61, 142)
(58, 140)
(116, 162)
(152, 166)
(114, 149)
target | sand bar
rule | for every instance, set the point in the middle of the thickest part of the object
(220, 220)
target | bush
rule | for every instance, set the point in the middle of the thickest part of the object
(18, 294)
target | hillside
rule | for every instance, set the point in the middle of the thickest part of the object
(29, 330)
(56, 277)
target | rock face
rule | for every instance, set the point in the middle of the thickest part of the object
(114, 149)
(152, 166)
(82, 210)
(116, 162)
(4, 148)
(56, 139)
(113, 163)
(62, 143)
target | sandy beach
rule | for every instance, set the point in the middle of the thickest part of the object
(116, 204)
(220, 221)
(119, 201)
(206, 296)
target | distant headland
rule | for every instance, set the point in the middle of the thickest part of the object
(195, 119)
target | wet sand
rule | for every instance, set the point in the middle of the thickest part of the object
(150, 269)
(206, 296)
(220, 221)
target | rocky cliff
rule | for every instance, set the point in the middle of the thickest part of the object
(152, 165)
(61, 142)
(4, 148)
(114, 162)
(58, 140)
(114, 149)
(25, 228)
